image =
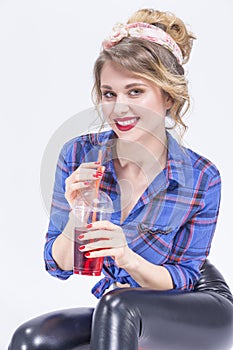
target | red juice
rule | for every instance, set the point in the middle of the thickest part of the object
(83, 265)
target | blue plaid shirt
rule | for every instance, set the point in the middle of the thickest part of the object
(172, 223)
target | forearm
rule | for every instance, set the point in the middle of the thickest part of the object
(146, 274)
(109, 240)
(63, 246)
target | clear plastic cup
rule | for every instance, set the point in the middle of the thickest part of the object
(90, 206)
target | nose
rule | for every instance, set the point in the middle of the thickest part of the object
(121, 107)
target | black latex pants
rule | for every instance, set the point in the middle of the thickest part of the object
(132, 318)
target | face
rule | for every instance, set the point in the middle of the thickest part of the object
(134, 107)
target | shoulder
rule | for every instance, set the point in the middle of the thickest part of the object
(192, 169)
(202, 164)
(205, 174)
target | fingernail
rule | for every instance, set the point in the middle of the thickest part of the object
(81, 237)
(86, 183)
(95, 176)
(99, 173)
(81, 247)
(89, 225)
(97, 163)
(87, 254)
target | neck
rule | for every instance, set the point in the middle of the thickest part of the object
(147, 157)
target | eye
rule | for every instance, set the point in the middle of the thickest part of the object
(135, 92)
(108, 94)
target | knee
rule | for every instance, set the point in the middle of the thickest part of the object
(37, 333)
(55, 330)
(25, 338)
(119, 304)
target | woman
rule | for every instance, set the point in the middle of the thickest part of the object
(166, 202)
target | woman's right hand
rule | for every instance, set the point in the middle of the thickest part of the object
(85, 176)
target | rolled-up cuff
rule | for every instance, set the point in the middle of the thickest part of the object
(51, 266)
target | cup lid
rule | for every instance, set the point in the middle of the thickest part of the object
(95, 201)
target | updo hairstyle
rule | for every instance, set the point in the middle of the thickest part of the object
(152, 61)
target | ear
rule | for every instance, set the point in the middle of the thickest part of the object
(168, 101)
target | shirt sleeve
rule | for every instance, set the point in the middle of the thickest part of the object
(58, 215)
(192, 242)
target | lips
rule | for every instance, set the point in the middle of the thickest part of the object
(126, 123)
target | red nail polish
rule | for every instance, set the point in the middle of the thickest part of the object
(86, 183)
(89, 225)
(81, 247)
(95, 176)
(97, 163)
(81, 237)
(87, 254)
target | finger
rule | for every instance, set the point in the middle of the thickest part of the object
(83, 173)
(87, 176)
(106, 234)
(101, 253)
(83, 177)
(91, 165)
(110, 238)
(103, 225)
(103, 244)
(97, 245)
(86, 168)
(78, 186)
(71, 192)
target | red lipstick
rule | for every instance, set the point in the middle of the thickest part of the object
(126, 123)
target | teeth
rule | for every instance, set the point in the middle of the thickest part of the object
(128, 122)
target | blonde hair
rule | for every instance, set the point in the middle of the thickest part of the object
(153, 62)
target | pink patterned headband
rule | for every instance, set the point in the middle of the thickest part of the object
(145, 31)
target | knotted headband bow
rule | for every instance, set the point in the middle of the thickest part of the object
(144, 31)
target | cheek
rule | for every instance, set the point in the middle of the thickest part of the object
(107, 109)
(156, 105)
(155, 102)
(148, 112)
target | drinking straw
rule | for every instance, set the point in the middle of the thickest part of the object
(97, 183)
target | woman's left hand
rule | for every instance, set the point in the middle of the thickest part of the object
(109, 240)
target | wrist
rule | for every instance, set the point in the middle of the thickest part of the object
(130, 261)
(68, 230)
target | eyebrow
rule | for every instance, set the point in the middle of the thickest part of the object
(126, 86)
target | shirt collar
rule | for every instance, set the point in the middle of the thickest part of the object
(176, 160)
(178, 168)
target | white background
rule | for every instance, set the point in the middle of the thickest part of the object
(47, 51)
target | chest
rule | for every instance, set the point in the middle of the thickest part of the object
(132, 183)
(131, 191)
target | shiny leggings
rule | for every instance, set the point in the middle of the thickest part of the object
(137, 318)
